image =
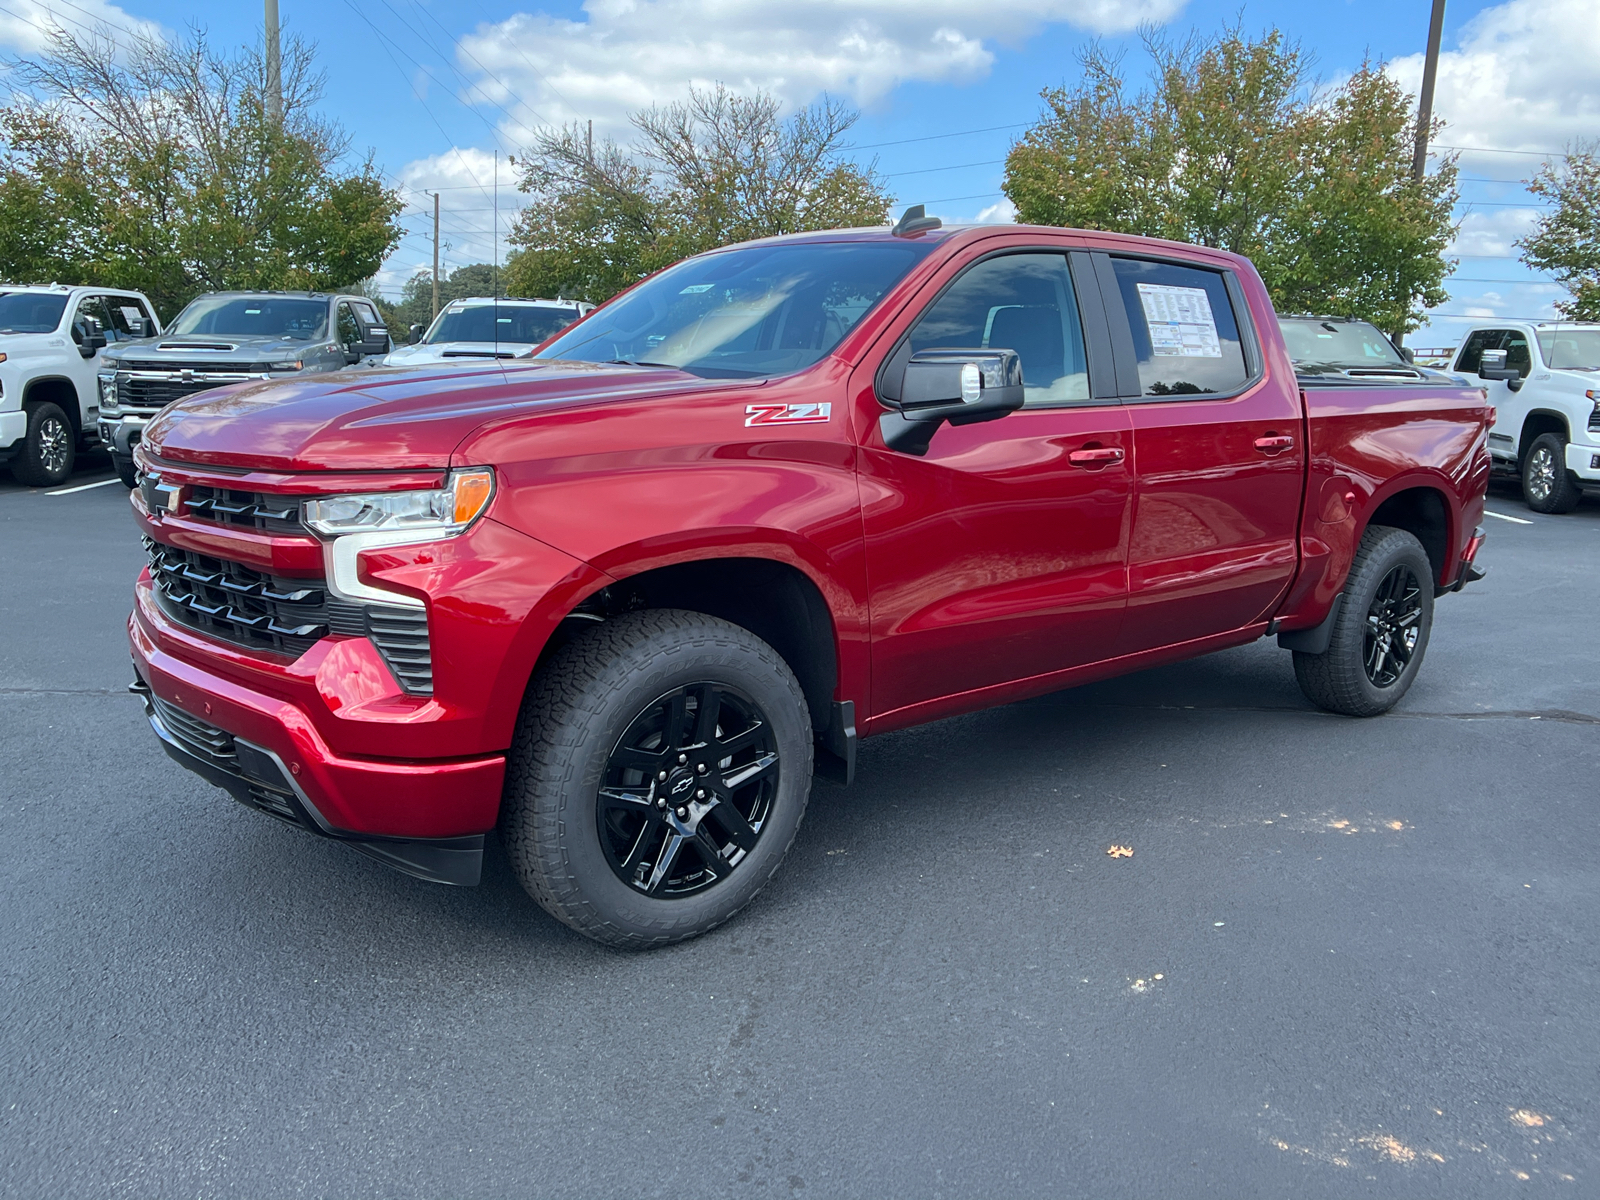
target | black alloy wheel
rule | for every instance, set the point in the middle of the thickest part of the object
(687, 790)
(1394, 623)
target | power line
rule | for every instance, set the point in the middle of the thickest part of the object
(934, 137)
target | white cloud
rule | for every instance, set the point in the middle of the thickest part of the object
(27, 24)
(628, 54)
(1003, 213)
(468, 200)
(1523, 77)
(1492, 233)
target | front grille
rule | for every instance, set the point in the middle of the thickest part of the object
(196, 736)
(260, 511)
(238, 604)
(144, 396)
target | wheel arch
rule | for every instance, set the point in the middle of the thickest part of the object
(1541, 421)
(57, 390)
(1423, 509)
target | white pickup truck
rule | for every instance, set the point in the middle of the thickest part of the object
(50, 343)
(1544, 378)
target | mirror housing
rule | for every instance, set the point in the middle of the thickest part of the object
(144, 327)
(91, 338)
(1493, 366)
(377, 341)
(1407, 353)
(416, 334)
(961, 386)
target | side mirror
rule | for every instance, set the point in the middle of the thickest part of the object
(144, 327)
(416, 334)
(90, 336)
(960, 386)
(377, 341)
(1407, 353)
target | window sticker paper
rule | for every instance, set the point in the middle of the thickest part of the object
(1180, 321)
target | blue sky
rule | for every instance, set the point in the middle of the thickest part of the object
(435, 89)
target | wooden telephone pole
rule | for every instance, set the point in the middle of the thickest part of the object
(1430, 73)
(436, 254)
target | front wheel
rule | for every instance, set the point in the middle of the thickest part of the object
(48, 449)
(659, 772)
(1381, 632)
(1547, 485)
(126, 471)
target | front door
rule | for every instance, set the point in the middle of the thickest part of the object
(1218, 443)
(1000, 553)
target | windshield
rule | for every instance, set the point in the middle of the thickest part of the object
(1339, 343)
(765, 310)
(1571, 349)
(257, 316)
(30, 312)
(489, 322)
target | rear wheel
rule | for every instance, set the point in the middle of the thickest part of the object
(1381, 632)
(1547, 485)
(48, 448)
(659, 772)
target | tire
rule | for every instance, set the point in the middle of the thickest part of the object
(1547, 485)
(125, 470)
(586, 818)
(48, 448)
(1391, 580)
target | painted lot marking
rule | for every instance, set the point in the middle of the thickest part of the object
(1503, 517)
(82, 487)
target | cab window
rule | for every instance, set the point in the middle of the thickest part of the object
(1518, 355)
(349, 330)
(1021, 302)
(1185, 335)
(1479, 340)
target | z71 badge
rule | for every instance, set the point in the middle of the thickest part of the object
(786, 414)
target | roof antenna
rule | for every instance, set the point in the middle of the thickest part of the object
(914, 221)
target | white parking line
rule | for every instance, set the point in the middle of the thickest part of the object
(82, 487)
(1503, 517)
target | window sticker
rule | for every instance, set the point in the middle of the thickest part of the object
(1180, 321)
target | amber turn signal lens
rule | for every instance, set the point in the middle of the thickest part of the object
(473, 489)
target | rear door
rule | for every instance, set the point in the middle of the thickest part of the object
(1218, 444)
(1000, 554)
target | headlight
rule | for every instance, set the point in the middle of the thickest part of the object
(441, 512)
(108, 391)
(296, 365)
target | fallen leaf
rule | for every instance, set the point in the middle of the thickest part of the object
(1121, 852)
(1527, 1119)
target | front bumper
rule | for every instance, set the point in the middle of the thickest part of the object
(121, 434)
(352, 799)
(1584, 461)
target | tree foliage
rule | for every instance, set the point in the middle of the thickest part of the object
(156, 166)
(1232, 147)
(1566, 240)
(715, 169)
(416, 297)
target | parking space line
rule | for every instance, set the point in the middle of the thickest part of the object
(1503, 517)
(82, 487)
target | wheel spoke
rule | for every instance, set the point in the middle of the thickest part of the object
(648, 761)
(665, 863)
(732, 822)
(709, 703)
(743, 775)
(710, 852)
(630, 799)
(677, 707)
(649, 836)
(740, 741)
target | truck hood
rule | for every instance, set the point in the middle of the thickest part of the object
(220, 349)
(384, 419)
(438, 352)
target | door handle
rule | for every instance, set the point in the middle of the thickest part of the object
(1095, 456)
(1274, 443)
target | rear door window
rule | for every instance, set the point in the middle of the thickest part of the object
(1021, 302)
(1185, 335)
(1517, 353)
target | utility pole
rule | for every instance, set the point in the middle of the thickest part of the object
(436, 254)
(1430, 72)
(274, 65)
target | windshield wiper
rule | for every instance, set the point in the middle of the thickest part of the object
(642, 362)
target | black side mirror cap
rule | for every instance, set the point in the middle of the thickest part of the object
(961, 386)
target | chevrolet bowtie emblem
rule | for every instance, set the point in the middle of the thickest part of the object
(188, 375)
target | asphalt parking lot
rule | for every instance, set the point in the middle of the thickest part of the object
(1346, 957)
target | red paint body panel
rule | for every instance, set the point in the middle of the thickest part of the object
(992, 568)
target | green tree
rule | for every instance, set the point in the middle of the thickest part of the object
(715, 169)
(1232, 146)
(1566, 240)
(158, 167)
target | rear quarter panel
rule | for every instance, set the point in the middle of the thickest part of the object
(1368, 443)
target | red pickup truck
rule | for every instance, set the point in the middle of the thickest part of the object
(623, 599)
